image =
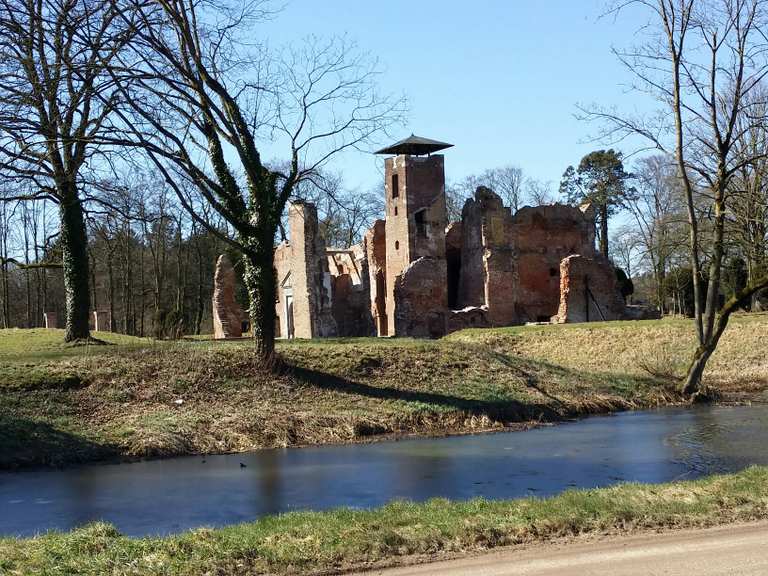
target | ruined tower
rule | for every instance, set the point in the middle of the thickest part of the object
(415, 274)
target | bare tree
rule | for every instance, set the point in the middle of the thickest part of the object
(704, 61)
(54, 99)
(344, 214)
(506, 181)
(539, 192)
(202, 97)
(748, 214)
(625, 251)
(659, 215)
(456, 194)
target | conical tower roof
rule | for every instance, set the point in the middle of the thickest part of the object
(415, 146)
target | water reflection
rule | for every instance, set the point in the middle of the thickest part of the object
(169, 496)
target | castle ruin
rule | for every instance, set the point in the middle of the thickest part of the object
(415, 274)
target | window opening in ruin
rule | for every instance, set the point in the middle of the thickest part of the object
(453, 265)
(395, 186)
(395, 210)
(420, 218)
(381, 303)
(397, 245)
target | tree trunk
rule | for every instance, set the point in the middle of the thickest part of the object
(261, 284)
(604, 230)
(143, 307)
(111, 283)
(74, 242)
(692, 383)
(200, 303)
(660, 278)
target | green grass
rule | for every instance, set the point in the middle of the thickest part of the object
(326, 542)
(140, 398)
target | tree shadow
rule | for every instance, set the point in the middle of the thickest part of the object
(26, 443)
(530, 378)
(500, 410)
(550, 408)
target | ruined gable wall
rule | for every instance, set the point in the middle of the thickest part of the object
(472, 275)
(499, 260)
(310, 277)
(588, 291)
(227, 314)
(453, 241)
(488, 260)
(543, 236)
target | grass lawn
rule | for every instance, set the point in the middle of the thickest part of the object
(327, 542)
(142, 398)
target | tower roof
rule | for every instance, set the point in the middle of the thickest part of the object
(415, 146)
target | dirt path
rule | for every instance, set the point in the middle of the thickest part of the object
(732, 550)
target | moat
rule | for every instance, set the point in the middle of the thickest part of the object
(168, 496)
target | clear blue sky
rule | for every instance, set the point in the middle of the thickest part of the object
(498, 78)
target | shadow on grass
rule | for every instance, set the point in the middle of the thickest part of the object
(549, 407)
(25, 442)
(500, 410)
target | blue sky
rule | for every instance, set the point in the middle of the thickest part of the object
(498, 79)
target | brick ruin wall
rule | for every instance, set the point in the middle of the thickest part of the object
(413, 275)
(488, 273)
(351, 294)
(227, 314)
(375, 246)
(325, 291)
(543, 236)
(588, 291)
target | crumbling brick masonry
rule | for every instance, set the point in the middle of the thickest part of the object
(416, 274)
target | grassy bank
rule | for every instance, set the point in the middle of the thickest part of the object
(328, 542)
(139, 398)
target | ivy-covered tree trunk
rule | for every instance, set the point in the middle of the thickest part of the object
(74, 243)
(261, 283)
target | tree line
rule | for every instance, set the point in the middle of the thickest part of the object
(151, 265)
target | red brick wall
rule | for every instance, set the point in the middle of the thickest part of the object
(543, 236)
(588, 291)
